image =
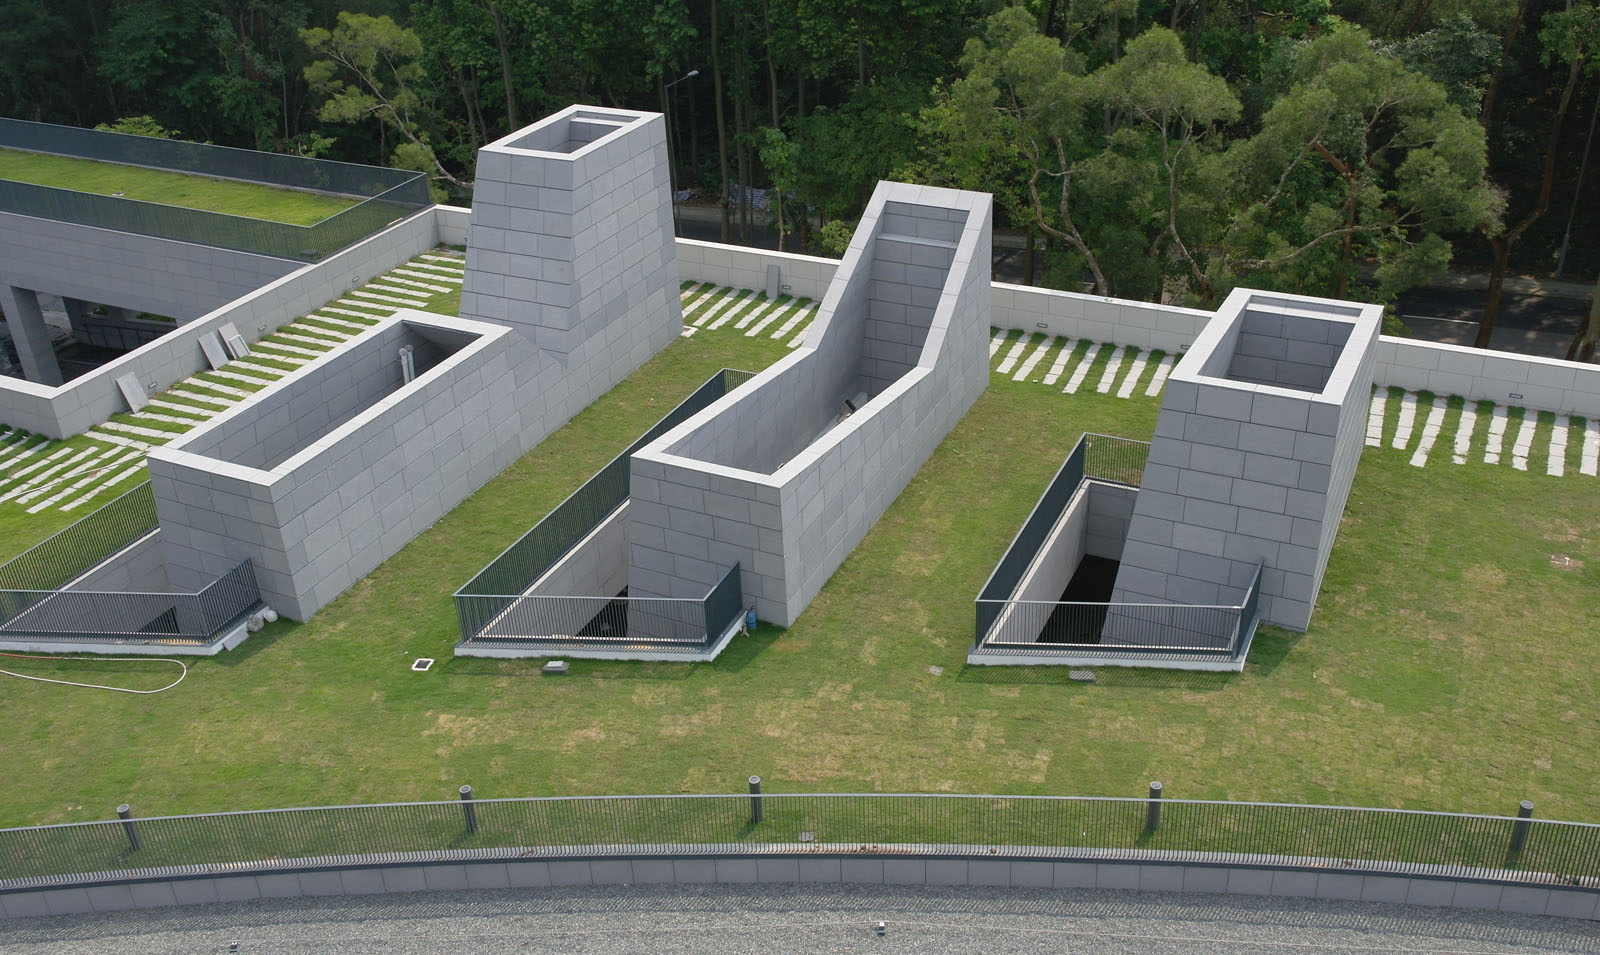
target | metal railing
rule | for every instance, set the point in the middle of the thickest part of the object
(1098, 456)
(551, 622)
(386, 194)
(94, 616)
(535, 552)
(67, 554)
(1346, 839)
(1135, 632)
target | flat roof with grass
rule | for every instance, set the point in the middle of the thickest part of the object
(1450, 664)
(186, 190)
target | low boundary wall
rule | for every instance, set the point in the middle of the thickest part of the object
(929, 867)
(1543, 384)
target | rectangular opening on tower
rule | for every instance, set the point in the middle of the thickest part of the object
(1286, 349)
(568, 134)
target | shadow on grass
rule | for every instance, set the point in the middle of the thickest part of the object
(531, 668)
(743, 650)
(1104, 678)
(1269, 648)
(255, 643)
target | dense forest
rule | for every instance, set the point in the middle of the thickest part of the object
(1156, 149)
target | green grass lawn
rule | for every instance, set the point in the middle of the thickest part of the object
(1449, 665)
(171, 188)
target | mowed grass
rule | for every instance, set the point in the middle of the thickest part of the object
(1449, 666)
(252, 200)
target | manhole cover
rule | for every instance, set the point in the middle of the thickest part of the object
(1565, 562)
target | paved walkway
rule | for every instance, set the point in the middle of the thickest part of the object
(796, 919)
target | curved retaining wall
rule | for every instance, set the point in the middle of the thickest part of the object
(417, 873)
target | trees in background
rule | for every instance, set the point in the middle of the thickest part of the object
(1159, 148)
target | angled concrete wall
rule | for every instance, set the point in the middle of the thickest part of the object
(1256, 446)
(779, 475)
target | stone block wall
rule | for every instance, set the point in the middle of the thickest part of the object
(1241, 472)
(348, 498)
(571, 232)
(769, 476)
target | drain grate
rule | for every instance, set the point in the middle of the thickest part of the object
(422, 663)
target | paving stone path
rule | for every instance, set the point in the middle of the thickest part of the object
(1481, 431)
(38, 474)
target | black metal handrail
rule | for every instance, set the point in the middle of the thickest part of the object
(68, 553)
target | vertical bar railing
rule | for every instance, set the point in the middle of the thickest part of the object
(1349, 838)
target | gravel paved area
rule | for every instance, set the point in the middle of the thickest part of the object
(800, 919)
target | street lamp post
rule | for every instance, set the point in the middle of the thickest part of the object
(673, 147)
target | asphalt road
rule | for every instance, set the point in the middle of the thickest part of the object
(795, 920)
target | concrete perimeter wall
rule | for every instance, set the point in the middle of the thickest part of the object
(82, 403)
(811, 868)
(1545, 384)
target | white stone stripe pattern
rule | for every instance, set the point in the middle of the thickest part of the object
(1430, 432)
(1464, 428)
(1032, 362)
(1131, 380)
(1524, 441)
(1589, 459)
(1408, 417)
(1015, 352)
(1109, 376)
(1060, 364)
(1497, 434)
(1380, 397)
(1160, 377)
(1557, 465)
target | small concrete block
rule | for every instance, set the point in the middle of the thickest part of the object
(279, 885)
(23, 905)
(694, 870)
(132, 391)
(211, 345)
(1429, 892)
(988, 872)
(1385, 888)
(821, 870)
(777, 870)
(404, 879)
(445, 877)
(1300, 885)
(861, 870)
(1161, 878)
(357, 882)
(737, 870)
(947, 871)
(1524, 899)
(238, 888)
(653, 872)
(1205, 878)
(571, 873)
(67, 901)
(1249, 882)
(488, 875)
(1111, 875)
(321, 883)
(1034, 875)
(1332, 885)
(1476, 895)
(199, 891)
(111, 898)
(1574, 903)
(905, 872)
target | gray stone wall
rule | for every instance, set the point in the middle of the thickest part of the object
(140, 272)
(571, 230)
(353, 496)
(769, 476)
(141, 567)
(1241, 472)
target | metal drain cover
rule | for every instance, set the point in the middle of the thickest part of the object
(422, 663)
